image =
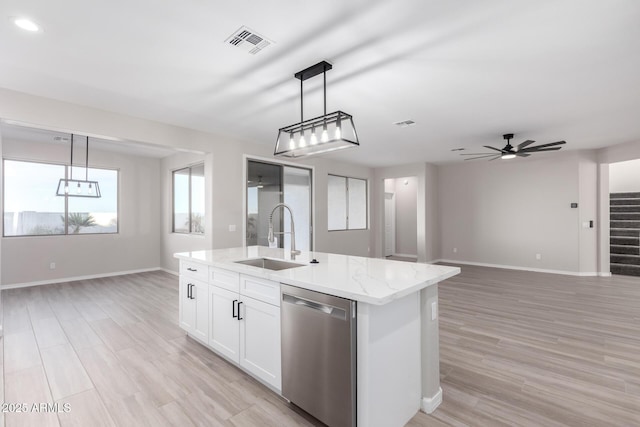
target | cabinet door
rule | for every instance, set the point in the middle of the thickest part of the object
(224, 329)
(260, 340)
(187, 306)
(200, 297)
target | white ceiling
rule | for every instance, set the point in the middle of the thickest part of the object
(466, 71)
(21, 133)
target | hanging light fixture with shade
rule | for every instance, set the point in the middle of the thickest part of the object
(323, 134)
(70, 187)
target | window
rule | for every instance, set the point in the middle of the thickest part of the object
(31, 207)
(188, 200)
(347, 203)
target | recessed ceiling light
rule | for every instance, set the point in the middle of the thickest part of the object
(26, 24)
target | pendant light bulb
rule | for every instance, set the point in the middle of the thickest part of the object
(79, 190)
(303, 143)
(66, 187)
(314, 138)
(292, 142)
(325, 135)
(90, 190)
(338, 130)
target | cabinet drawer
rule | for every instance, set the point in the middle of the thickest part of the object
(260, 289)
(195, 270)
(225, 279)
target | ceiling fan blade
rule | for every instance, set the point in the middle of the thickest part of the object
(551, 144)
(483, 157)
(478, 154)
(522, 154)
(496, 157)
(493, 148)
(532, 151)
(524, 144)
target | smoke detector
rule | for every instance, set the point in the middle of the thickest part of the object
(248, 40)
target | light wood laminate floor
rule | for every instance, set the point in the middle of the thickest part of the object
(517, 348)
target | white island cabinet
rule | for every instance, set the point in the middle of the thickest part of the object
(396, 320)
(246, 329)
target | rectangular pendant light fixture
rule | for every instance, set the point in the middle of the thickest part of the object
(323, 134)
(70, 187)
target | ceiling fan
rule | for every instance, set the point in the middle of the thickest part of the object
(522, 150)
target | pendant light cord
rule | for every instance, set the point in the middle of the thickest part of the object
(324, 74)
(86, 162)
(71, 157)
(301, 104)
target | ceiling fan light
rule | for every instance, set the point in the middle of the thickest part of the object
(508, 156)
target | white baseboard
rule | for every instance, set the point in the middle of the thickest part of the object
(75, 278)
(429, 404)
(513, 267)
(406, 255)
(605, 274)
(175, 273)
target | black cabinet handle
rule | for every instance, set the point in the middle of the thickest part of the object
(239, 318)
(192, 269)
(189, 290)
(233, 307)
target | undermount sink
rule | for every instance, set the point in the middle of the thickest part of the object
(269, 264)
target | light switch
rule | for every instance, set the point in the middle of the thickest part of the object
(232, 227)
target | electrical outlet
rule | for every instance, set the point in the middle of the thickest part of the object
(232, 227)
(538, 256)
(455, 250)
(52, 266)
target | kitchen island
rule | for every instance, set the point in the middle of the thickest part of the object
(397, 320)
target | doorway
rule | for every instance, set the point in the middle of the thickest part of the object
(401, 218)
(624, 218)
(269, 184)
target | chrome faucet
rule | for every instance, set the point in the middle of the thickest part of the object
(271, 239)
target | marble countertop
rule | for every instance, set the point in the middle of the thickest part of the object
(370, 280)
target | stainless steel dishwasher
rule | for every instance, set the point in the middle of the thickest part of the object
(319, 354)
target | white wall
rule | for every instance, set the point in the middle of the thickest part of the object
(135, 247)
(624, 176)
(506, 212)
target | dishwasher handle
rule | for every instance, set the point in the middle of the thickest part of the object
(330, 310)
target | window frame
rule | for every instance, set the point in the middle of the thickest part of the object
(346, 213)
(67, 168)
(173, 200)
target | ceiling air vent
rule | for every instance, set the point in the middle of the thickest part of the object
(248, 40)
(405, 123)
